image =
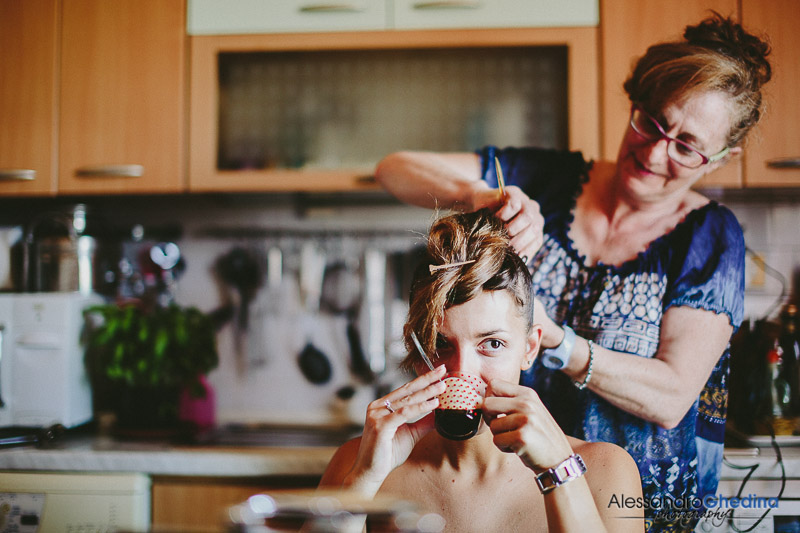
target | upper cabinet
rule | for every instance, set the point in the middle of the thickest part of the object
(122, 96)
(28, 48)
(433, 14)
(284, 99)
(316, 112)
(772, 155)
(627, 29)
(215, 17)
(218, 17)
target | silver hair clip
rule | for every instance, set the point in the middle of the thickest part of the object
(434, 268)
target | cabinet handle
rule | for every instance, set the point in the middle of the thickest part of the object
(119, 171)
(330, 8)
(17, 174)
(2, 346)
(448, 4)
(784, 162)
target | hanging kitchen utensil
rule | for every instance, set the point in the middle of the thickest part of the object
(373, 311)
(242, 270)
(314, 363)
(341, 294)
(268, 311)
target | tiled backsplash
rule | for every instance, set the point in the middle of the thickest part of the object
(276, 391)
(262, 382)
(772, 235)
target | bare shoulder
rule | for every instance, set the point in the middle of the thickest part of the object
(604, 454)
(613, 477)
(612, 460)
(340, 464)
(609, 469)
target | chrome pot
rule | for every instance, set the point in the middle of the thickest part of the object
(58, 255)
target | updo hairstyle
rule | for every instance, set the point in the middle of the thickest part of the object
(478, 236)
(716, 55)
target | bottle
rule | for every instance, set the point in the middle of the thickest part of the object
(780, 394)
(791, 355)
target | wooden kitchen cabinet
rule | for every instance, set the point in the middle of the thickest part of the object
(121, 96)
(28, 54)
(426, 14)
(778, 135)
(219, 17)
(627, 28)
(199, 504)
(263, 171)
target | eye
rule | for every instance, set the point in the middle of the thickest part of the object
(684, 149)
(492, 345)
(441, 343)
(649, 127)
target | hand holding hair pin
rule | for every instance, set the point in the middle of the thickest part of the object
(500, 181)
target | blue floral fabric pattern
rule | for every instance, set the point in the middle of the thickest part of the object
(700, 264)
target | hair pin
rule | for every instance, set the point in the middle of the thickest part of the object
(434, 268)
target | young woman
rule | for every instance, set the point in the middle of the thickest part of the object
(471, 307)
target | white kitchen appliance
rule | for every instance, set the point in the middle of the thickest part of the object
(759, 490)
(43, 379)
(44, 502)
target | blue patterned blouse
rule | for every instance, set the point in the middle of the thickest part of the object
(699, 264)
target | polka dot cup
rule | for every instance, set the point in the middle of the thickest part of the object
(458, 416)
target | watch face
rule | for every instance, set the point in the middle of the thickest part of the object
(552, 360)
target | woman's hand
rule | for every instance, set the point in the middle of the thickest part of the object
(522, 424)
(388, 436)
(521, 215)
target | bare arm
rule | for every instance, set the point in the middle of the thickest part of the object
(661, 389)
(453, 181)
(389, 436)
(431, 179)
(522, 425)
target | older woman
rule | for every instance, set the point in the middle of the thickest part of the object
(471, 306)
(641, 277)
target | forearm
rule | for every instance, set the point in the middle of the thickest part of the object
(646, 387)
(432, 180)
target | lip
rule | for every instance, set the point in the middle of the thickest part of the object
(640, 167)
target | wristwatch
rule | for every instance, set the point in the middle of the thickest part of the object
(570, 468)
(558, 357)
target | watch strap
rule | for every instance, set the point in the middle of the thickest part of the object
(558, 357)
(570, 468)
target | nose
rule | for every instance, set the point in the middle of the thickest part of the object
(655, 152)
(461, 359)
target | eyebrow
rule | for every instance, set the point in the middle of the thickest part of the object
(479, 334)
(685, 136)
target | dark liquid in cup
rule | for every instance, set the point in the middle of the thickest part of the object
(457, 424)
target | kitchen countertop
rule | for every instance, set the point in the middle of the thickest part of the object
(87, 453)
(90, 454)
(765, 460)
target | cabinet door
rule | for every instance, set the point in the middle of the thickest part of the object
(27, 96)
(220, 17)
(187, 504)
(431, 14)
(777, 137)
(122, 71)
(627, 28)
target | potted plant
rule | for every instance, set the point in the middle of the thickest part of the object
(140, 361)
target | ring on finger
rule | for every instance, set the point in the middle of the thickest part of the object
(388, 406)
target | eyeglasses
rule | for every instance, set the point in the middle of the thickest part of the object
(682, 153)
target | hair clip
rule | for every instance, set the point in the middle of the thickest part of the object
(434, 268)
